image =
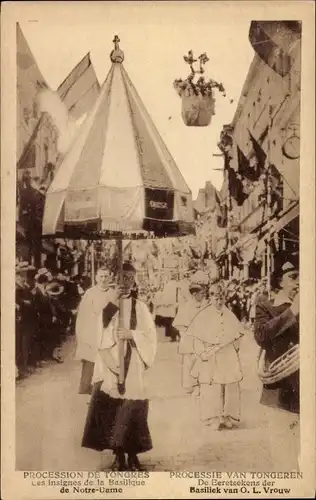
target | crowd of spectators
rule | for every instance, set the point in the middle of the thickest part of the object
(47, 302)
(45, 306)
(241, 296)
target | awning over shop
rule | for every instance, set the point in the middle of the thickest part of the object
(250, 247)
(285, 218)
(277, 224)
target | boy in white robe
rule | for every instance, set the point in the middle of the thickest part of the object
(118, 414)
(187, 311)
(216, 332)
(87, 330)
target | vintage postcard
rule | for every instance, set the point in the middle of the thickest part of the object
(158, 250)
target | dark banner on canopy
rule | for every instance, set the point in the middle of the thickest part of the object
(159, 204)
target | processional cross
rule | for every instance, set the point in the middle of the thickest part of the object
(117, 55)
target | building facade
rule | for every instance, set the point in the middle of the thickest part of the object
(263, 137)
(38, 151)
(36, 156)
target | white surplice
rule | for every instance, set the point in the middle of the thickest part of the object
(216, 335)
(213, 329)
(142, 354)
(87, 324)
(187, 311)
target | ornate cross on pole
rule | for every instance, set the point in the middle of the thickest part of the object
(117, 55)
(116, 42)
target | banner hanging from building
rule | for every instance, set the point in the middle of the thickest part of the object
(273, 40)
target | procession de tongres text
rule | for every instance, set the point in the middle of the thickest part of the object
(64, 475)
(65, 478)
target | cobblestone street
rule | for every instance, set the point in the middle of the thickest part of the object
(51, 416)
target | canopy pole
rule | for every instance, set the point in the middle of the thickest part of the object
(119, 245)
(86, 259)
(92, 264)
(269, 208)
(229, 236)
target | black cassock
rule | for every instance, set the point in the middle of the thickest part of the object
(116, 424)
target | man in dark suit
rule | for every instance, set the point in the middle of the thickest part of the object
(276, 331)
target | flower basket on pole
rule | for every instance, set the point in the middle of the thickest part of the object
(197, 110)
(198, 102)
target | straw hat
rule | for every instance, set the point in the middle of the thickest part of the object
(43, 272)
(54, 289)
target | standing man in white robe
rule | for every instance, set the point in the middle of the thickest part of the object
(87, 330)
(187, 311)
(216, 332)
(117, 419)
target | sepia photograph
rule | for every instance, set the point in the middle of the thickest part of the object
(157, 244)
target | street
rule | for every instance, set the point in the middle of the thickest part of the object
(50, 418)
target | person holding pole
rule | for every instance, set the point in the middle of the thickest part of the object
(117, 418)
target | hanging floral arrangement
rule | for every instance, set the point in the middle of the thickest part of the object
(198, 103)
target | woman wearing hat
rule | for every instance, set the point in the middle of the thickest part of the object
(25, 318)
(55, 292)
(276, 332)
(45, 314)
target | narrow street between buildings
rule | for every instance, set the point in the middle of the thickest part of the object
(51, 416)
